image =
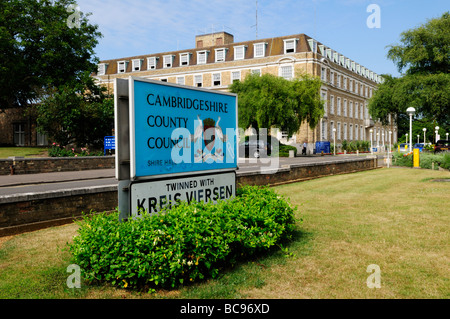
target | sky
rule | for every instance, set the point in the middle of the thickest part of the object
(140, 27)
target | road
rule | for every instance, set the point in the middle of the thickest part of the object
(46, 182)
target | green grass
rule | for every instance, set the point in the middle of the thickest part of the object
(396, 218)
(6, 152)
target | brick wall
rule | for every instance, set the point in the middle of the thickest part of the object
(55, 164)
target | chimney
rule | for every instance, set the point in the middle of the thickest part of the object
(213, 39)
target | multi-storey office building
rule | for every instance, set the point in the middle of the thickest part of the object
(217, 61)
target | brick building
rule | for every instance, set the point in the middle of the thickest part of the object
(217, 61)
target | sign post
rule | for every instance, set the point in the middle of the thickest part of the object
(166, 131)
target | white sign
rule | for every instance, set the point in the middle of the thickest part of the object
(151, 196)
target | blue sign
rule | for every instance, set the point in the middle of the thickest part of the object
(177, 129)
(109, 143)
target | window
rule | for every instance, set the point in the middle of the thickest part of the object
(216, 79)
(361, 111)
(338, 82)
(350, 132)
(356, 110)
(345, 83)
(239, 52)
(289, 45)
(323, 74)
(338, 131)
(350, 114)
(338, 106)
(259, 50)
(286, 71)
(324, 98)
(324, 131)
(167, 61)
(198, 80)
(331, 130)
(201, 57)
(351, 85)
(102, 69)
(184, 58)
(220, 55)
(256, 71)
(235, 76)
(332, 77)
(19, 134)
(345, 131)
(121, 66)
(356, 132)
(41, 139)
(163, 79)
(345, 107)
(362, 132)
(136, 65)
(151, 63)
(332, 104)
(180, 80)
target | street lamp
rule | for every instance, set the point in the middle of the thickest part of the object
(418, 138)
(389, 150)
(424, 131)
(334, 140)
(371, 146)
(407, 139)
(378, 140)
(446, 134)
(436, 131)
(410, 111)
(382, 138)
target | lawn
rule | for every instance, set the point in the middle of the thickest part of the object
(395, 218)
(6, 152)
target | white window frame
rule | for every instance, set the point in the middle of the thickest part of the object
(151, 63)
(222, 52)
(200, 54)
(356, 132)
(259, 47)
(350, 113)
(181, 80)
(214, 77)
(338, 131)
(167, 61)
(331, 130)
(121, 66)
(136, 65)
(239, 55)
(345, 82)
(234, 77)
(338, 80)
(256, 71)
(350, 132)
(196, 80)
(345, 131)
(184, 58)
(332, 104)
(338, 106)
(332, 78)
(292, 45)
(325, 104)
(324, 131)
(323, 74)
(284, 73)
(101, 69)
(345, 108)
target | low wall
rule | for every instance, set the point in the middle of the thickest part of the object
(54, 164)
(19, 213)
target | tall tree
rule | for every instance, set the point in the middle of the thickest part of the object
(268, 100)
(41, 47)
(424, 57)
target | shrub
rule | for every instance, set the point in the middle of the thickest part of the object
(187, 243)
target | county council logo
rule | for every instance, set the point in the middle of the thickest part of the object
(209, 132)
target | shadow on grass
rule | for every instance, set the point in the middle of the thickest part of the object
(249, 271)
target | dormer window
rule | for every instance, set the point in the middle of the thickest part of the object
(239, 52)
(201, 57)
(184, 59)
(167, 61)
(313, 45)
(151, 63)
(121, 66)
(102, 68)
(136, 65)
(289, 45)
(220, 55)
(259, 50)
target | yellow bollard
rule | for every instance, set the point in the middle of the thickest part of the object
(416, 157)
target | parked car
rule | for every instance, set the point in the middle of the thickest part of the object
(404, 147)
(255, 148)
(442, 146)
(419, 146)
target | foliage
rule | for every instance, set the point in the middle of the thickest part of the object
(426, 84)
(81, 113)
(425, 160)
(270, 101)
(188, 243)
(38, 50)
(59, 151)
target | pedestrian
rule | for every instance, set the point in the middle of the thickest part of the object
(304, 148)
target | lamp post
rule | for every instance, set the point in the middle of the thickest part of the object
(389, 149)
(382, 138)
(446, 134)
(334, 140)
(371, 146)
(437, 131)
(407, 140)
(424, 131)
(410, 111)
(378, 140)
(418, 138)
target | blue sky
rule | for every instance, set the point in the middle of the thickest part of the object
(137, 27)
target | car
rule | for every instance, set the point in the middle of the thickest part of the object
(419, 146)
(403, 147)
(442, 146)
(255, 148)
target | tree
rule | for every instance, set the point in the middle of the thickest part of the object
(425, 55)
(39, 49)
(266, 101)
(80, 114)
